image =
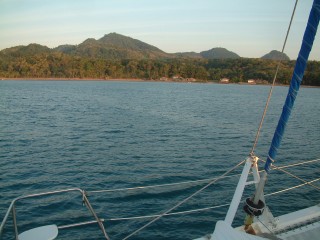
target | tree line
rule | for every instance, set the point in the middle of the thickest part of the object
(60, 65)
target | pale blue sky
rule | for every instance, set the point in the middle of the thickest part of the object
(250, 28)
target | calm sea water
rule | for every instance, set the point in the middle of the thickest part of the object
(109, 135)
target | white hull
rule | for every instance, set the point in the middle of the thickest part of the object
(302, 224)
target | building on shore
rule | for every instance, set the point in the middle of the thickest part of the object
(164, 79)
(224, 80)
(251, 81)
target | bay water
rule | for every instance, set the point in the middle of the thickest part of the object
(97, 135)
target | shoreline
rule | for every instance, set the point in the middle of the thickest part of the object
(72, 79)
(108, 80)
(142, 80)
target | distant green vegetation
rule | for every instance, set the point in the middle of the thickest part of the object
(118, 56)
(60, 65)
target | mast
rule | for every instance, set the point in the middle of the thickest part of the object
(296, 80)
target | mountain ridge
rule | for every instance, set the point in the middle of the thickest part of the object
(114, 46)
(105, 59)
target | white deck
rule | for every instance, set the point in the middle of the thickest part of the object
(302, 224)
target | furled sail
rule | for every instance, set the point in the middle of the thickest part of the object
(297, 77)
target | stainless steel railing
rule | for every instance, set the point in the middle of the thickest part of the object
(85, 200)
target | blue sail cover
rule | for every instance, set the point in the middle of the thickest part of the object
(297, 76)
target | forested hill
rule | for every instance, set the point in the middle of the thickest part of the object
(219, 53)
(214, 53)
(276, 55)
(117, 56)
(113, 46)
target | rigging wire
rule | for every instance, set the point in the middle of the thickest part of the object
(197, 181)
(272, 233)
(273, 82)
(161, 185)
(169, 214)
(207, 208)
(306, 182)
(190, 182)
(291, 188)
(212, 181)
(294, 176)
(183, 201)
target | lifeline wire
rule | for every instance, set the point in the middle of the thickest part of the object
(294, 176)
(273, 84)
(183, 201)
(207, 208)
(291, 188)
(190, 182)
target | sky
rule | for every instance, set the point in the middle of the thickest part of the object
(250, 28)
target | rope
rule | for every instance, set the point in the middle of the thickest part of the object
(160, 185)
(207, 208)
(212, 181)
(169, 214)
(273, 84)
(272, 233)
(296, 177)
(183, 201)
(291, 188)
(296, 164)
(190, 182)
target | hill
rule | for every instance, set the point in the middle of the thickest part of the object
(65, 48)
(188, 55)
(118, 56)
(119, 41)
(114, 46)
(219, 53)
(276, 55)
(22, 51)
